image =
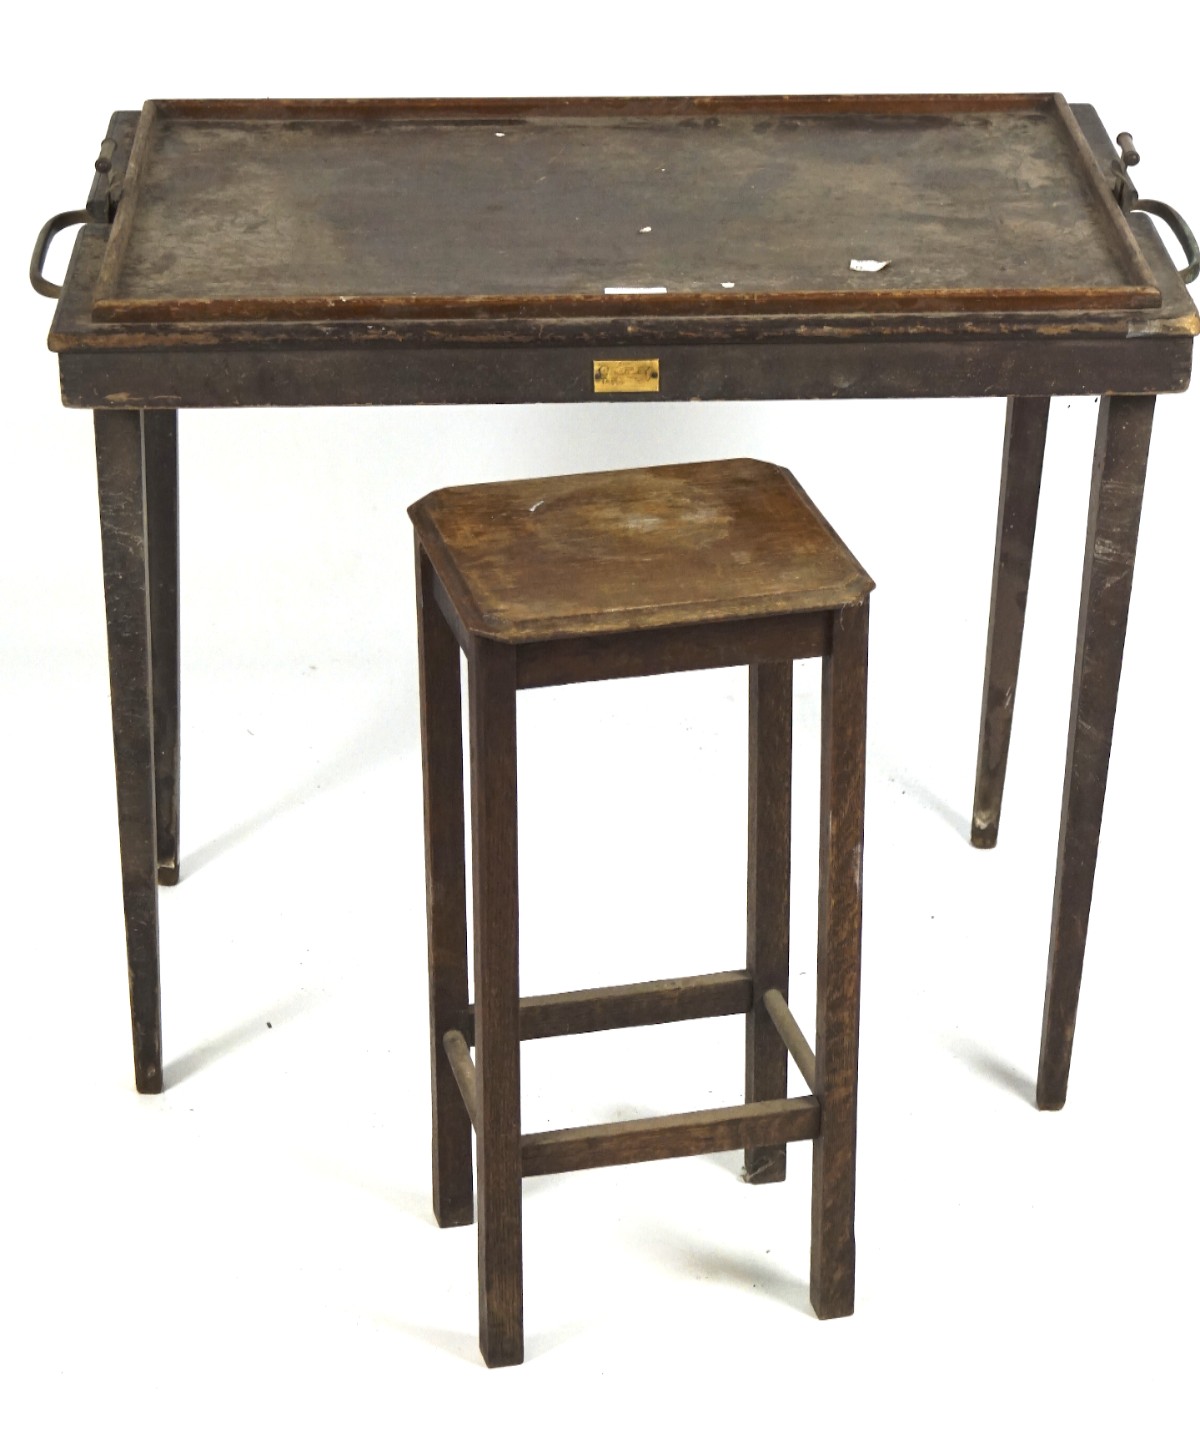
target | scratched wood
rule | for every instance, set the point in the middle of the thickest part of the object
(839, 950)
(275, 210)
(123, 543)
(768, 895)
(1020, 487)
(624, 559)
(582, 555)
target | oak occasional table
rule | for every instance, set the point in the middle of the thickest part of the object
(630, 252)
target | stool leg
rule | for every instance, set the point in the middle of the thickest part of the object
(768, 910)
(446, 893)
(493, 702)
(839, 930)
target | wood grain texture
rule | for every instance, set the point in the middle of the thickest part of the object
(768, 894)
(1118, 480)
(479, 568)
(792, 1035)
(767, 1124)
(839, 943)
(630, 550)
(672, 650)
(216, 375)
(160, 445)
(1020, 487)
(290, 211)
(73, 328)
(127, 602)
(445, 892)
(622, 1006)
(493, 711)
(454, 1042)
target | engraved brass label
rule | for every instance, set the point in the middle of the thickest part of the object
(611, 377)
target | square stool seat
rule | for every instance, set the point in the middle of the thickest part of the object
(631, 550)
(587, 577)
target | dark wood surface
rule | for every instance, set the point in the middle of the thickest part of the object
(1020, 487)
(492, 699)
(636, 548)
(123, 529)
(839, 942)
(160, 442)
(792, 1035)
(445, 891)
(1118, 481)
(768, 894)
(619, 1006)
(765, 1126)
(727, 352)
(580, 555)
(778, 638)
(271, 210)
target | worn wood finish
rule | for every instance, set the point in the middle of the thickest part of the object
(1118, 479)
(734, 537)
(122, 490)
(763, 1126)
(160, 445)
(768, 894)
(839, 942)
(595, 206)
(493, 710)
(623, 1006)
(821, 370)
(792, 1035)
(445, 891)
(730, 352)
(1020, 486)
(630, 550)
(776, 639)
(454, 1043)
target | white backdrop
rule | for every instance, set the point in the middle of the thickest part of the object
(255, 1248)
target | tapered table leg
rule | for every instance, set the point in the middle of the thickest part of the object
(768, 916)
(493, 708)
(1020, 486)
(1118, 479)
(445, 891)
(161, 452)
(839, 947)
(127, 600)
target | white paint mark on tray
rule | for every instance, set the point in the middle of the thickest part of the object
(538, 506)
(645, 230)
(870, 267)
(727, 284)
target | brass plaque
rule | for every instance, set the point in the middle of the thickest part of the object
(613, 377)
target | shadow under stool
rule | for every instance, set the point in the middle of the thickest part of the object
(590, 577)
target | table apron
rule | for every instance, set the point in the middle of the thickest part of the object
(376, 374)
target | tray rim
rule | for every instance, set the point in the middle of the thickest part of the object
(1139, 291)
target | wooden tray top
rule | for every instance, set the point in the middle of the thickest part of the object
(318, 209)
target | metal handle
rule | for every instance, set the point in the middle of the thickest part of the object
(1182, 232)
(49, 230)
